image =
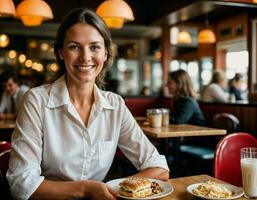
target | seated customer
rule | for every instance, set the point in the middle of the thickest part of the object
(235, 87)
(67, 132)
(11, 98)
(187, 110)
(215, 91)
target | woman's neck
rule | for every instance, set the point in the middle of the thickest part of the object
(81, 94)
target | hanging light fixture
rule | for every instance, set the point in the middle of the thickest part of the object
(184, 37)
(33, 12)
(115, 13)
(254, 1)
(206, 35)
(7, 8)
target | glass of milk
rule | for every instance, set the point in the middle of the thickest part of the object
(249, 171)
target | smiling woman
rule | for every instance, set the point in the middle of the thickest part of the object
(74, 118)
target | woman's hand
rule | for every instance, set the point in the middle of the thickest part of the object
(99, 191)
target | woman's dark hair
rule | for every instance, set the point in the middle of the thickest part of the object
(83, 15)
(184, 83)
(9, 74)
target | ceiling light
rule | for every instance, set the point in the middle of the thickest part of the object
(115, 13)
(206, 36)
(7, 8)
(33, 12)
(4, 40)
(184, 37)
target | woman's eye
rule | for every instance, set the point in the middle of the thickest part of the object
(95, 47)
(74, 47)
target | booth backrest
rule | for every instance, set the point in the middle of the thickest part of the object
(138, 106)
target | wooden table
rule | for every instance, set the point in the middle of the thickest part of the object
(176, 132)
(7, 124)
(180, 185)
(180, 130)
(6, 129)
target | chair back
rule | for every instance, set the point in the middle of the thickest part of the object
(226, 165)
(4, 145)
(226, 121)
(4, 162)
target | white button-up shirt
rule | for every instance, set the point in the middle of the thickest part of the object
(51, 142)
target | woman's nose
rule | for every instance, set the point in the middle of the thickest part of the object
(85, 55)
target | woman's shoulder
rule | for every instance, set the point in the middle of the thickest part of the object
(38, 92)
(112, 97)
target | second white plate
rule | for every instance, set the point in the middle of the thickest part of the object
(237, 191)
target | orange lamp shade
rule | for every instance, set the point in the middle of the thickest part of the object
(33, 12)
(7, 8)
(206, 36)
(184, 37)
(115, 13)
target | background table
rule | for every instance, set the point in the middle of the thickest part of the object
(176, 132)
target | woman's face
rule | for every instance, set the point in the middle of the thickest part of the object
(83, 53)
(173, 86)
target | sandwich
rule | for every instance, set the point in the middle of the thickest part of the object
(135, 188)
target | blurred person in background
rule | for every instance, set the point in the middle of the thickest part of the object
(11, 98)
(235, 87)
(187, 110)
(215, 91)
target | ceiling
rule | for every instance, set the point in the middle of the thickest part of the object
(149, 15)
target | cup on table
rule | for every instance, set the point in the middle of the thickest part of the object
(154, 117)
(248, 160)
(165, 116)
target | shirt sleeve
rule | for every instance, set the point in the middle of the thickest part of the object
(136, 146)
(24, 170)
(218, 94)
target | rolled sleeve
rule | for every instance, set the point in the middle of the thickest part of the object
(156, 160)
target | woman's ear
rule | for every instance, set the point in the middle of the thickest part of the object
(60, 54)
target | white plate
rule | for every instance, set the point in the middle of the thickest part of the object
(237, 191)
(167, 188)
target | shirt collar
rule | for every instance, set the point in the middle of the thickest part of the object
(59, 95)
(100, 100)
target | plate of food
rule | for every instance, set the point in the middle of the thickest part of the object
(141, 188)
(215, 191)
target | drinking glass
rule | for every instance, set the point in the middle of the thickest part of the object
(248, 162)
(155, 117)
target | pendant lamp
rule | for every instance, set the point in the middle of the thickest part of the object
(206, 36)
(7, 8)
(33, 12)
(115, 13)
(254, 1)
(184, 37)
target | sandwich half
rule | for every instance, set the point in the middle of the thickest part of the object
(135, 187)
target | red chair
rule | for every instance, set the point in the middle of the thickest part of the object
(4, 145)
(4, 162)
(226, 121)
(227, 157)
